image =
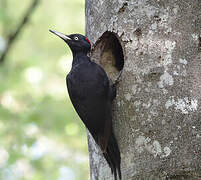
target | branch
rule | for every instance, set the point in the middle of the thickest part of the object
(12, 37)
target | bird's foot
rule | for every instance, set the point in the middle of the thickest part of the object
(118, 78)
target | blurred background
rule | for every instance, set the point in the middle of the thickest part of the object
(41, 136)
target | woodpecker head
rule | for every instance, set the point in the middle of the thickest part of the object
(77, 42)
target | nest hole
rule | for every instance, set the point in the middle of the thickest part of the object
(108, 52)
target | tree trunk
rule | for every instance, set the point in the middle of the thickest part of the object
(157, 119)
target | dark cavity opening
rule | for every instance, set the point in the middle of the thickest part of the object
(108, 53)
(199, 43)
(123, 8)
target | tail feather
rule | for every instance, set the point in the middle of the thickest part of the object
(117, 156)
(112, 156)
(109, 162)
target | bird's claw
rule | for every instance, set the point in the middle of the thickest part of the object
(118, 78)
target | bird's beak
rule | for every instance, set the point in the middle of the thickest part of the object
(61, 35)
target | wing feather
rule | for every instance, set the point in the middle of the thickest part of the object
(90, 100)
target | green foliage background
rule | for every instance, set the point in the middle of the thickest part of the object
(41, 136)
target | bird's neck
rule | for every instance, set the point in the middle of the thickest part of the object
(79, 57)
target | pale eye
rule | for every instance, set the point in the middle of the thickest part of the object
(76, 38)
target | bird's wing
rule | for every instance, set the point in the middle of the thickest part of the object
(91, 102)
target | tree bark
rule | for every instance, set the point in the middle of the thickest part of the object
(157, 119)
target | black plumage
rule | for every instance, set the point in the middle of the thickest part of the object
(92, 95)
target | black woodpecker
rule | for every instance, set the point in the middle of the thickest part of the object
(91, 95)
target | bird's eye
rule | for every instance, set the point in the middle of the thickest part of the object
(76, 38)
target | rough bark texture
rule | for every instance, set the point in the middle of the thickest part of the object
(157, 112)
